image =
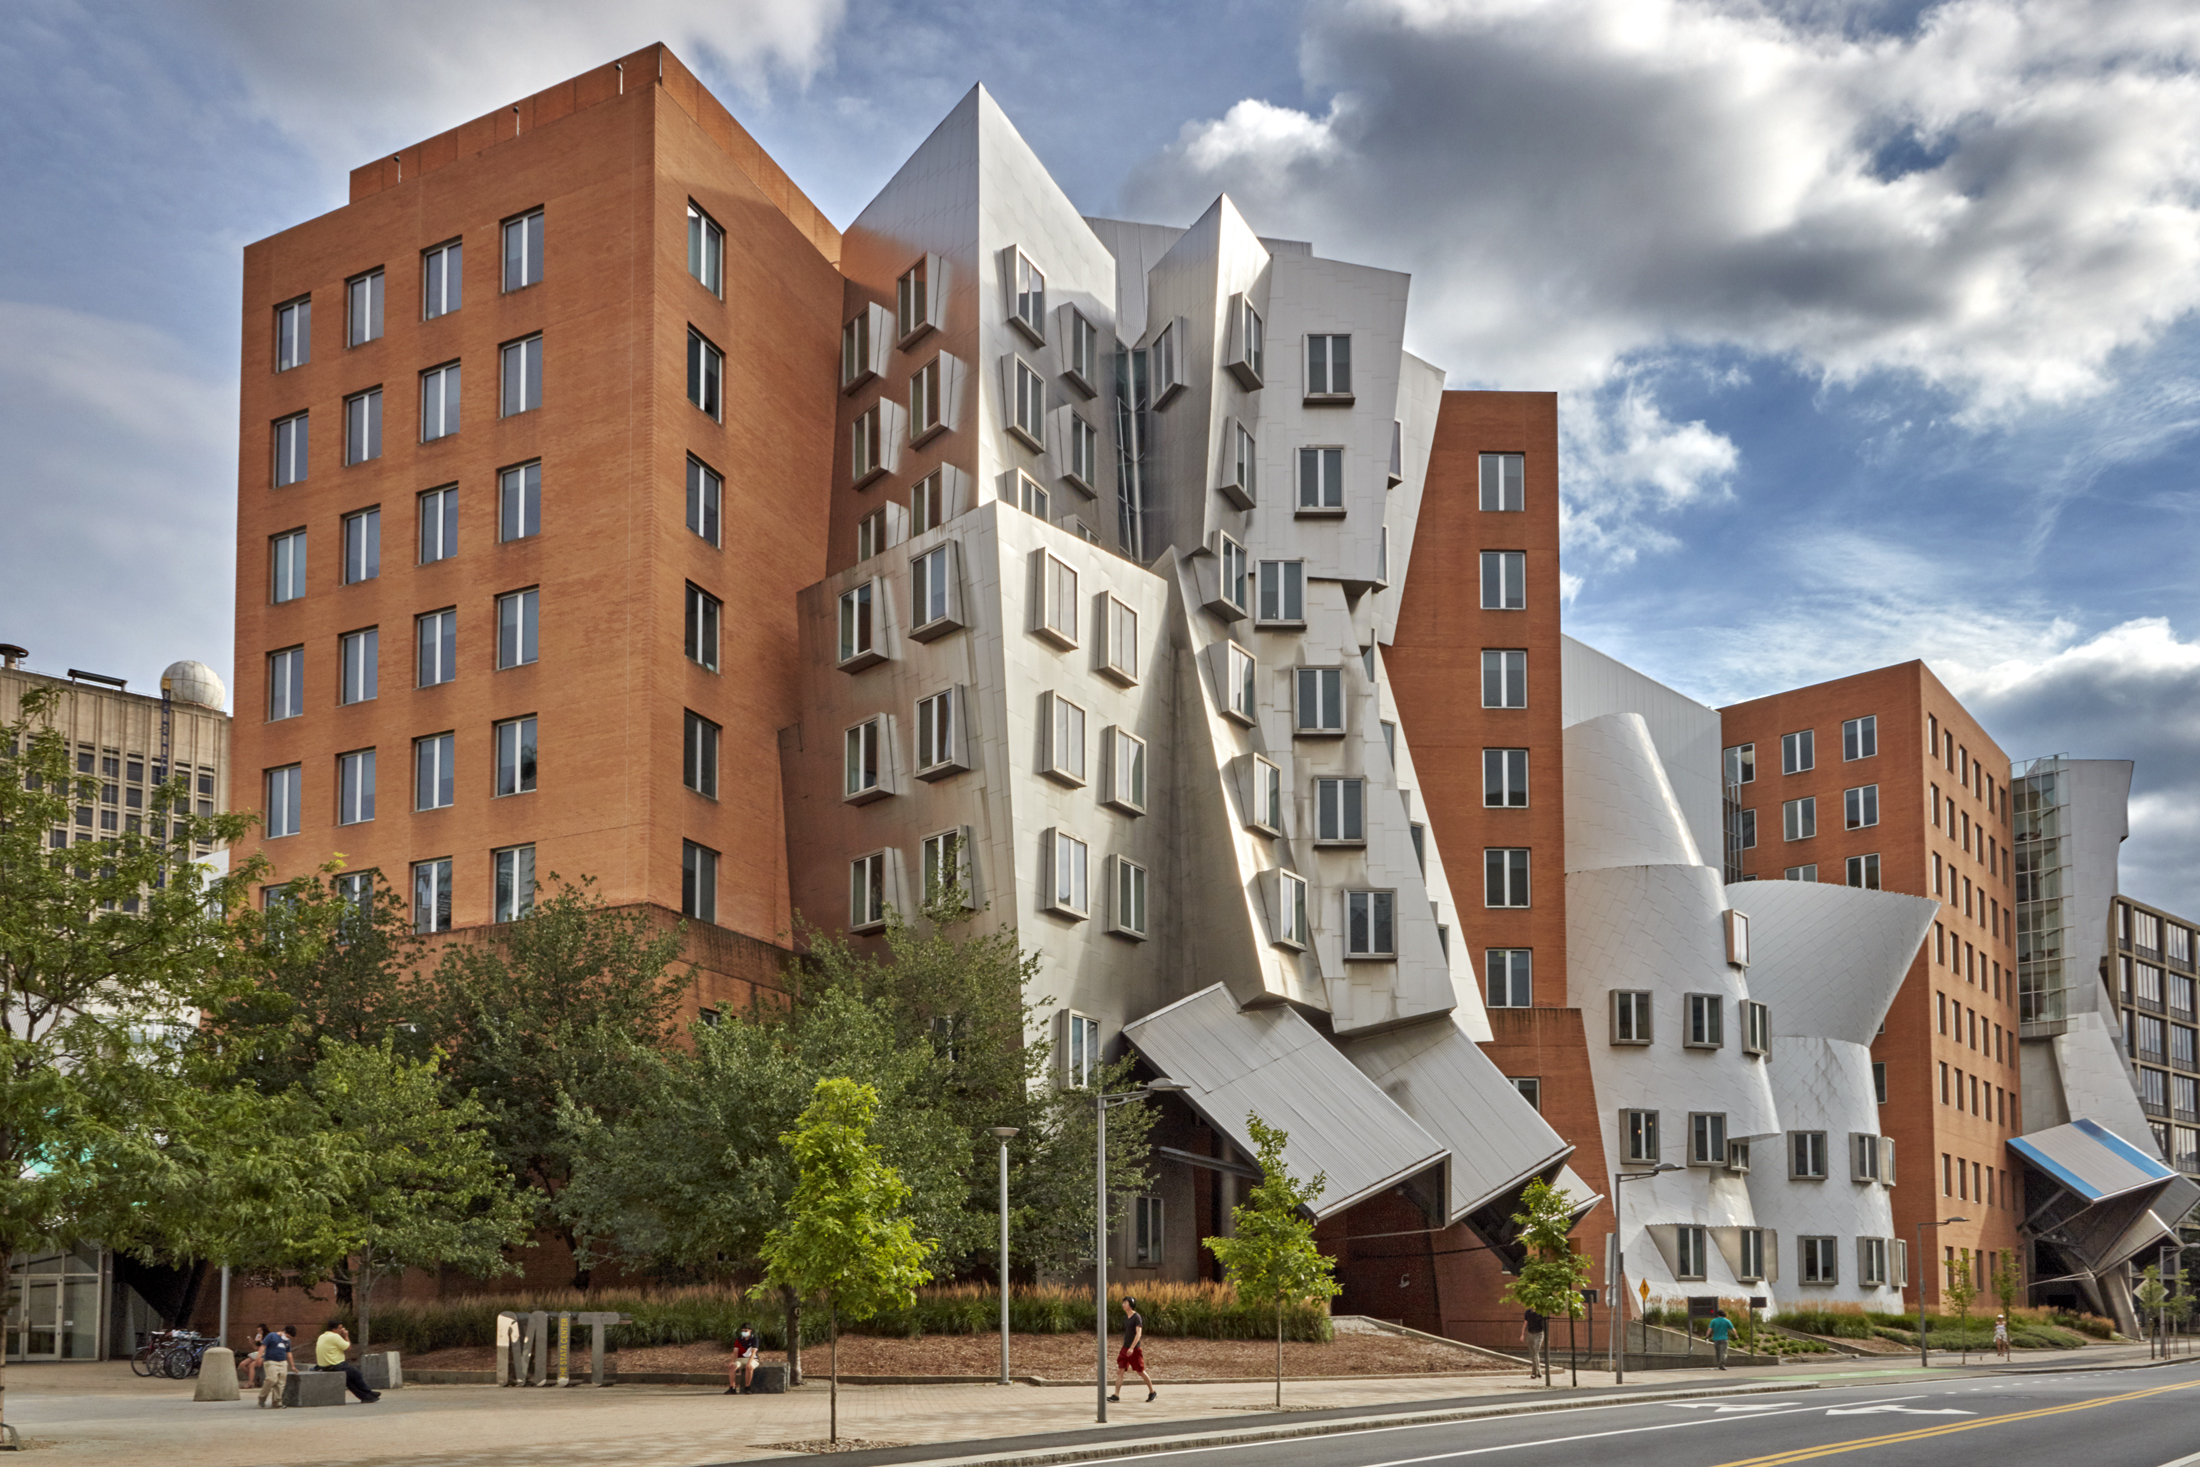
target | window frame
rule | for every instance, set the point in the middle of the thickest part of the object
(702, 634)
(526, 636)
(706, 489)
(1504, 671)
(435, 513)
(1340, 810)
(363, 426)
(1799, 751)
(518, 736)
(1068, 890)
(1860, 807)
(1289, 586)
(524, 396)
(1334, 364)
(1639, 1140)
(699, 750)
(361, 539)
(1703, 1021)
(1055, 609)
(1266, 795)
(1381, 906)
(355, 787)
(443, 264)
(1860, 738)
(286, 566)
(292, 436)
(1506, 873)
(706, 250)
(1322, 496)
(1062, 738)
(511, 882)
(706, 376)
(527, 228)
(698, 882)
(363, 307)
(1507, 762)
(1322, 689)
(1128, 893)
(1517, 980)
(358, 664)
(1027, 296)
(1799, 818)
(286, 683)
(442, 398)
(294, 333)
(431, 900)
(1293, 928)
(1125, 771)
(521, 482)
(859, 623)
(434, 771)
(1633, 1013)
(444, 625)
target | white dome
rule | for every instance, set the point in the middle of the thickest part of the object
(194, 682)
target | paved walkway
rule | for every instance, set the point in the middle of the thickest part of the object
(102, 1413)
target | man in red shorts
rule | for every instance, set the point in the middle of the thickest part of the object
(1133, 1354)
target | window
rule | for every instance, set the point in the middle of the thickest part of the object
(1291, 925)
(698, 882)
(1745, 829)
(1820, 1263)
(290, 449)
(1864, 872)
(1065, 739)
(1319, 707)
(519, 501)
(521, 374)
(363, 426)
(439, 402)
(1118, 639)
(1860, 806)
(363, 308)
(1066, 891)
(286, 556)
(1741, 764)
(1233, 593)
(1505, 778)
(1126, 772)
(1807, 1155)
(1630, 1016)
(1504, 679)
(1863, 1157)
(704, 493)
(358, 656)
(438, 524)
(701, 635)
(1369, 922)
(1165, 364)
(706, 251)
(1511, 977)
(432, 895)
(862, 760)
(1752, 1242)
(931, 589)
(286, 683)
(1339, 811)
(1706, 1028)
(1504, 580)
(1266, 797)
(925, 407)
(946, 859)
(871, 535)
(355, 787)
(1756, 1028)
(1146, 1233)
(1028, 298)
(1240, 478)
(1799, 818)
(515, 746)
(432, 772)
(1321, 480)
(523, 250)
(1879, 1081)
(1128, 915)
(1057, 609)
(706, 375)
(1860, 737)
(442, 280)
(1084, 452)
(1030, 496)
(866, 444)
(1028, 421)
(436, 636)
(1329, 366)
(912, 300)
(515, 883)
(858, 626)
(1690, 1253)
(517, 619)
(1249, 344)
(1505, 877)
(362, 546)
(1798, 752)
(294, 334)
(1638, 1130)
(1707, 1138)
(698, 755)
(282, 800)
(1082, 353)
(1282, 591)
(938, 735)
(1503, 477)
(1080, 1049)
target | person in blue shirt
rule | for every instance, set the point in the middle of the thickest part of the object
(1722, 1330)
(275, 1362)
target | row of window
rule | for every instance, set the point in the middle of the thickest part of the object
(1703, 1021)
(434, 757)
(1970, 773)
(519, 517)
(512, 886)
(1799, 817)
(1972, 1181)
(435, 644)
(2150, 936)
(1880, 1262)
(1799, 751)
(519, 378)
(1870, 1156)
(2144, 984)
(2162, 1093)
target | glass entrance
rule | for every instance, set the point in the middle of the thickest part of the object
(53, 1307)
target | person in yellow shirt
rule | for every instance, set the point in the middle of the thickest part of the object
(332, 1351)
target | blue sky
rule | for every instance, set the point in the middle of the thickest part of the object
(1874, 324)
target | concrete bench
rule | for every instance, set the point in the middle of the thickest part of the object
(313, 1388)
(383, 1370)
(769, 1380)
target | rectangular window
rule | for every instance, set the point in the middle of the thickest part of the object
(1864, 872)
(1282, 591)
(1511, 977)
(1234, 573)
(438, 524)
(912, 303)
(1028, 421)
(1707, 1138)
(862, 757)
(362, 546)
(1799, 818)
(1504, 580)
(946, 868)
(1819, 1260)
(294, 334)
(1692, 1256)
(937, 737)
(358, 655)
(1028, 298)
(1083, 352)
(515, 746)
(1030, 496)
(523, 250)
(1752, 1242)
(1505, 778)
(432, 895)
(1321, 480)
(698, 882)
(1756, 1028)
(1126, 774)
(859, 625)
(436, 636)
(1165, 374)
(363, 426)
(866, 444)
(1631, 1023)
(1320, 702)
(521, 375)
(1291, 910)
(1860, 737)
(282, 801)
(1505, 877)
(1741, 764)
(1057, 610)
(706, 375)
(1146, 1232)
(1329, 366)
(1504, 679)
(706, 251)
(514, 868)
(699, 755)
(1129, 892)
(871, 535)
(1067, 885)
(931, 586)
(1860, 806)
(290, 449)
(363, 313)
(1745, 830)
(1080, 1051)
(1119, 639)
(432, 771)
(924, 400)
(701, 637)
(1706, 1021)
(286, 683)
(442, 280)
(704, 493)
(355, 787)
(1879, 1081)
(286, 557)
(518, 616)
(439, 402)
(1863, 1157)
(1503, 477)
(1369, 923)
(1238, 683)
(1065, 739)
(519, 502)
(1638, 1131)
(1807, 1155)
(1798, 752)
(1340, 811)
(1267, 796)
(1084, 452)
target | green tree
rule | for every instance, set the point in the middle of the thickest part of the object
(1551, 1273)
(1961, 1289)
(2152, 1294)
(846, 1237)
(2008, 1282)
(1272, 1258)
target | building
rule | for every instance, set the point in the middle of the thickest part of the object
(1883, 781)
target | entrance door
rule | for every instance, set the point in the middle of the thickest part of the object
(41, 1331)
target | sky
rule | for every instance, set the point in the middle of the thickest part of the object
(1876, 326)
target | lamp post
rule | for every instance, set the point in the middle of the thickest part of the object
(1924, 1360)
(1619, 1258)
(1004, 1134)
(1100, 1103)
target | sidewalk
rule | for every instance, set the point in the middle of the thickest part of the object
(101, 1413)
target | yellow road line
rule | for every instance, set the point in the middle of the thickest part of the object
(1804, 1454)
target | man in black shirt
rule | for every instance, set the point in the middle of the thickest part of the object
(1534, 1331)
(1133, 1354)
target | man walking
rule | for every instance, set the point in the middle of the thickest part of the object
(1534, 1333)
(333, 1351)
(1722, 1330)
(1133, 1354)
(275, 1362)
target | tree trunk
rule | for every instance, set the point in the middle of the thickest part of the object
(832, 1335)
(1279, 1354)
(7, 1322)
(363, 1293)
(794, 1335)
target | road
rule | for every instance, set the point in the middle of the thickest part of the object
(2107, 1418)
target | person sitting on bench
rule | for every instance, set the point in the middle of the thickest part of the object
(332, 1352)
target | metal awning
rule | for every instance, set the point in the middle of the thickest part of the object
(2091, 1160)
(2096, 1196)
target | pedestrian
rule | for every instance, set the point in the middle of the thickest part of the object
(1535, 1333)
(1133, 1354)
(2001, 1335)
(741, 1369)
(252, 1360)
(332, 1351)
(275, 1361)
(1722, 1330)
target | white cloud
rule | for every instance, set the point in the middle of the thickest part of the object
(1626, 462)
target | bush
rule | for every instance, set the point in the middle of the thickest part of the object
(1840, 1324)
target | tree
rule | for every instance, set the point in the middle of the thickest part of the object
(1962, 1288)
(2152, 1295)
(845, 1237)
(2008, 1283)
(1551, 1274)
(1272, 1259)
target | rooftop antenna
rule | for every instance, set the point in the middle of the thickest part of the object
(515, 119)
(620, 68)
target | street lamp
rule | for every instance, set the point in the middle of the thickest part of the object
(1100, 1104)
(1924, 1360)
(1004, 1134)
(1619, 1249)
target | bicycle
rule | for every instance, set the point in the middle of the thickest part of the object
(185, 1354)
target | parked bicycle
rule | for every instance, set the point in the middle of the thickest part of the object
(174, 1353)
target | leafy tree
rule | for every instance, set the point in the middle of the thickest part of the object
(1552, 1275)
(846, 1237)
(2008, 1283)
(1272, 1259)
(1961, 1289)
(2152, 1295)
